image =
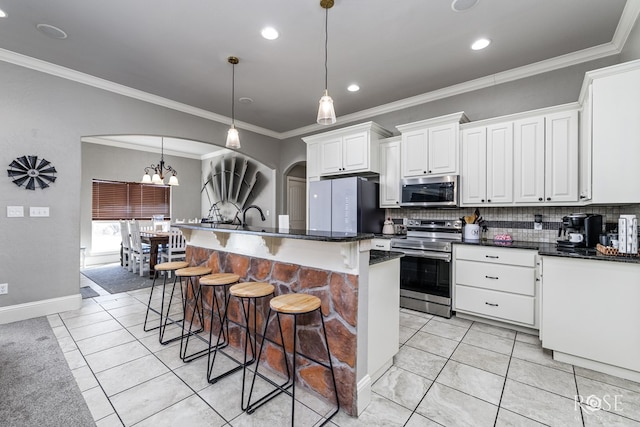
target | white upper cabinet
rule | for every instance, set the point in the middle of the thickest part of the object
(313, 162)
(584, 148)
(561, 157)
(546, 158)
(430, 147)
(528, 150)
(615, 132)
(487, 164)
(523, 159)
(473, 179)
(500, 163)
(390, 173)
(349, 150)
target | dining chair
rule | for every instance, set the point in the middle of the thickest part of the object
(139, 255)
(176, 249)
(126, 245)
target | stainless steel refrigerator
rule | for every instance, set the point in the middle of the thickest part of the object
(345, 205)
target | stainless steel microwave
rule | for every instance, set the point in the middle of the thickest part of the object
(438, 192)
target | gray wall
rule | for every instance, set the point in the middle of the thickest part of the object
(631, 49)
(47, 116)
(543, 90)
(120, 164)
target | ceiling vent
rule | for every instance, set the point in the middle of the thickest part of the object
(463, 5)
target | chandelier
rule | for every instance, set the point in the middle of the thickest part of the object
(159, 171)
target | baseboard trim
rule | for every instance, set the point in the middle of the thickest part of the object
(616, 371)
(364, 394)
(29, 310)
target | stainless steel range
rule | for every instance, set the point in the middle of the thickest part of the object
(425, 270)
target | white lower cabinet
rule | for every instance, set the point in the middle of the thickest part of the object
(591, 314)
(496, 283)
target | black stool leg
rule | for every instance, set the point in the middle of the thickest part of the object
(166, 317)
(185, 337)
(144, 327)
(333, 377)
(241, 365)
(280, 388)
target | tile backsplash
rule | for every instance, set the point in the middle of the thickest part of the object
(518, 221)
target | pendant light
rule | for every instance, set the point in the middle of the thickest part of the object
(159, 170)
(233, 139)
(326, 113)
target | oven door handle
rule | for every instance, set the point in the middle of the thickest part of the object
(443, 256)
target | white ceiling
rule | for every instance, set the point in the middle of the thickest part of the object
(393, 49)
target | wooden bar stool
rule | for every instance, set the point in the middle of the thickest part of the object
(214, 281)
(293, 304)
(247, 293)
(192, 274)
(166, 268)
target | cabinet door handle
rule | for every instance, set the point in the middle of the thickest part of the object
(489, 200)
(548, 199)
(583, 197)
(397, 202)
(492, 256)
(539, 199)
(491, 277)
(491, 304)
(482, 200)
(424, 171)
(429, 171)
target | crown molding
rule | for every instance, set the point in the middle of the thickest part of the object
(86, 79)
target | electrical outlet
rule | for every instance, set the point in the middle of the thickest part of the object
(4, 288)
(537, 226)
(15, 211)
(39, 211)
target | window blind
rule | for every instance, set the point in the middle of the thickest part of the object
(113, 200)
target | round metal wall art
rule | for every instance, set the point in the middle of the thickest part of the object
(31, 172)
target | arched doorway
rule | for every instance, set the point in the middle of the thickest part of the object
(296, 195)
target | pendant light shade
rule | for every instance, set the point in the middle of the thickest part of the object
(326, 112)
(233, 139)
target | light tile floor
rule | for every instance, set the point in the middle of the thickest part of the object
(450, 372)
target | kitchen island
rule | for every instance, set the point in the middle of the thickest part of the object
(334, 267)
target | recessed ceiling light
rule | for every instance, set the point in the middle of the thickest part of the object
(269, 33)
(480, 44)
(462, 5)
(353, 88)
(245, 100)
(3, 14)
(51, 31)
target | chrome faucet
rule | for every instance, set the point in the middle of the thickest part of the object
(244, 213)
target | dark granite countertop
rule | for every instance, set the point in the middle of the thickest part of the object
(550, 249)
(322, 236)
(390, 236)
(377, 257)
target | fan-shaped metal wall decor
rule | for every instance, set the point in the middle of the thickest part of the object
(233, 181)
(31, 173)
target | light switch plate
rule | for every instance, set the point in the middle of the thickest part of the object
(15, 211)
(39, 211)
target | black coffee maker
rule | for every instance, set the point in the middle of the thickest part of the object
(587, 225)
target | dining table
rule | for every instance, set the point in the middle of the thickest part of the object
(154, 239)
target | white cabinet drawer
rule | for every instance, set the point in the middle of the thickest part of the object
(522, 257)
(506, 278)
(499, 305)
(381, 244)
